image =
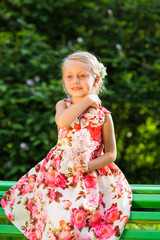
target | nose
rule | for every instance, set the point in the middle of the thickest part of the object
(76, 80)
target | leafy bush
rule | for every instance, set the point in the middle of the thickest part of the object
(36, 35)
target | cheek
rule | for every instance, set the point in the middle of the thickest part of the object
(66, 82)
(90, 84)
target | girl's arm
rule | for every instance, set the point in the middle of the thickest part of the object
(65, 116)
(109, 144)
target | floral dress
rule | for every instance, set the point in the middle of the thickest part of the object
(53, 202)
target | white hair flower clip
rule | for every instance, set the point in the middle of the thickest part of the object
(102, 70)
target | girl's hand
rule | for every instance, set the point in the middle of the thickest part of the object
(94, 99)
(81, 166)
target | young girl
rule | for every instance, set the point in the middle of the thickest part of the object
(77, 191)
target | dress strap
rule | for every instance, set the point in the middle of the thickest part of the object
(105, 110)
(68, 100)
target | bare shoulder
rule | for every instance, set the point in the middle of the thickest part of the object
(61, 104)
(108, 124)
(108, 119)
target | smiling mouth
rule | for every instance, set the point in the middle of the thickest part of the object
(76, 88)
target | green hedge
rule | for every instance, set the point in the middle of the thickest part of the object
(36, 35)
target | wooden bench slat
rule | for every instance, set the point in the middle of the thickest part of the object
(2, 214)
(5, 185)
(129, 234)
(145, 189)
(132, 234)
(10, 231)
(1, 194)
(144, 217)
(146, 201)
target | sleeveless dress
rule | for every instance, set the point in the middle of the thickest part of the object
(53, 202)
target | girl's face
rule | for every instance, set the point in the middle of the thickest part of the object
(78, 79)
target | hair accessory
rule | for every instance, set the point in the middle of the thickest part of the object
(102, 71)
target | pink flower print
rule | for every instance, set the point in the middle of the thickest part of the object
(119, 187)
(51, 194)
(100, 113)
(64, 235)
(13, 201)
(39, 194)
(49, 155)
(30, 186)
(76, 233)
(68, 100)
(86, 237)
(5, 202)
(67, 204)
(104, 231)
(56, 162)
(95, 133)
(90, 181)
(92, 198)
(100, 198)
(90, 118)
(36, 211)
(42, 168)
(50, 236)
(124, 219)
(64, 133)
(95, 219)
(60, 181)
(31, 236)
(44, 215)
(77, 126)
(103, 170)
(31, 179)
(81, 148)
(29, 204)
(27, 188)
(76, 177)
(50, 177)
(40, 224)
(40, 180)
(104, 112)
(38, 234)
(21, 181)
(112, 214)
(64, 225)
(84, 137)
(10, 217)
(114, 169)
(9, 195)
(78, 218)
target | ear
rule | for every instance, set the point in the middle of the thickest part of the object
(96, 80)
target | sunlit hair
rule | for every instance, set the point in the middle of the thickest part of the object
(93, 64)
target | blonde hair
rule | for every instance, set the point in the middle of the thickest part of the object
(92, 62)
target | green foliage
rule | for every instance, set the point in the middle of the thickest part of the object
(36, 35)
(143, 226)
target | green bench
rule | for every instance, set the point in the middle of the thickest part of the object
(145, 209)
